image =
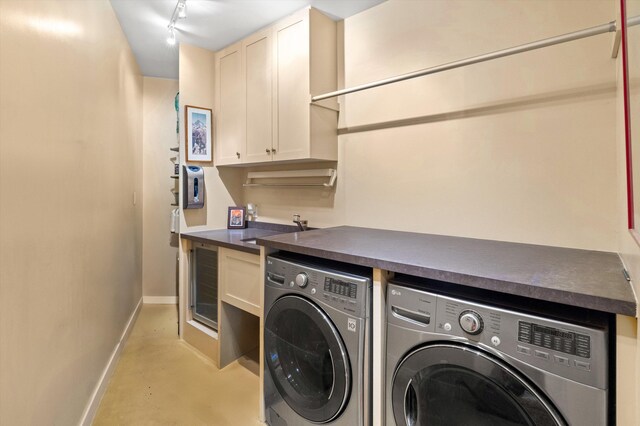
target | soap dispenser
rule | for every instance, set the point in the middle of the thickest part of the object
(193, 187)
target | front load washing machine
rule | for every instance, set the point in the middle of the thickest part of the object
(316, 343)
(451, 361)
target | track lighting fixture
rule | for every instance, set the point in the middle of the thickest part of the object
(179, 12)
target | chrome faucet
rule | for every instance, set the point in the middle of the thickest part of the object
(302, 224)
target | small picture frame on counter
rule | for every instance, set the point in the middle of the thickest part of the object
(236, 218)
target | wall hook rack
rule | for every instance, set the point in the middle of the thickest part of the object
(292, 178)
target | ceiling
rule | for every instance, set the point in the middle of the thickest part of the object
(210, 24)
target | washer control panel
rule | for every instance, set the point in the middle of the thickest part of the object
(569, 350)
(567, 342)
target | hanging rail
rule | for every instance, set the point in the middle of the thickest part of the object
(576, 35)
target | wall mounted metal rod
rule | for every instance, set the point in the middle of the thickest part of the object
(634, 20)
(576, 35)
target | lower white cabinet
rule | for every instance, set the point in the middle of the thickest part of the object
(240, 279)
(239, 284)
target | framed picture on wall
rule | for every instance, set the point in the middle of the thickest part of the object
(236, 218)
(198, 131)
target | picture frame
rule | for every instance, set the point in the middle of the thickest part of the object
(236, 217)
(198, 131)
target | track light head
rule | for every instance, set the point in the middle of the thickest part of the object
(171, 38)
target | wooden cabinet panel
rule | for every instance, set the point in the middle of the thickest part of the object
(264, 88)
(230, 111)
(292, 87)
(259, 96)
(240, 279)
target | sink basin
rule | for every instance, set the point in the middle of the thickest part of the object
(249, 240)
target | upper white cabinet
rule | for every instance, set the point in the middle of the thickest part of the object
(230, 107)
(259, 96)
(273, 74)
(305, 65)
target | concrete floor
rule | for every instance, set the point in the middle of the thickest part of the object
(160, 380)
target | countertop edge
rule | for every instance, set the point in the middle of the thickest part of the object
(599, 303)
(240, 247)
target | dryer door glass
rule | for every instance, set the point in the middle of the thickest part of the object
(449, 384)
(307, 359)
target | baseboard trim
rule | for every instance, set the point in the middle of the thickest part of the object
(160, 300)
(101, 387)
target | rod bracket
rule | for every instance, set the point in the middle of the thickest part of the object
(331, 104)
(615, 48)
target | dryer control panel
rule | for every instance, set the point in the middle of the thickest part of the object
(341, 290)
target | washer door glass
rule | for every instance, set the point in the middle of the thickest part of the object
(307, 359)
(448, 384)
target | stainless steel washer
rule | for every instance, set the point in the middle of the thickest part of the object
(455, 362)
(316, 343)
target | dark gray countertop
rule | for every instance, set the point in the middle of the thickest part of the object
(232, 238)
(584, 278)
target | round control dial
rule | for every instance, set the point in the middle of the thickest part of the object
(302, 280)
(471, 322)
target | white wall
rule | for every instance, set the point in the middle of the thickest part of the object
(222, 186)
(518, 149)
(70, 245)
(159, 249)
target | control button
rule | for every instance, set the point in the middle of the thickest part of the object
(334, 298)
(523, 350)
(302, 280)
(343, 300)
(542, 355)
(524, 326)
(352, 302)
(561, 360)
(495, 341)
(583, 365)
(291, 284)
(326, 296)
(447, 326)
(582, 338)
(471, 322)
(582, 353)
(313, 291)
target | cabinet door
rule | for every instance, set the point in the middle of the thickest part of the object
(259, 96)
(230, 121)
(291, 57)
(240, 279)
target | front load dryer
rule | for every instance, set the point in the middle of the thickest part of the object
(316, 343)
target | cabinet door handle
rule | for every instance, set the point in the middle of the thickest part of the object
(273, 151)
(238, 154)
(268, 151)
